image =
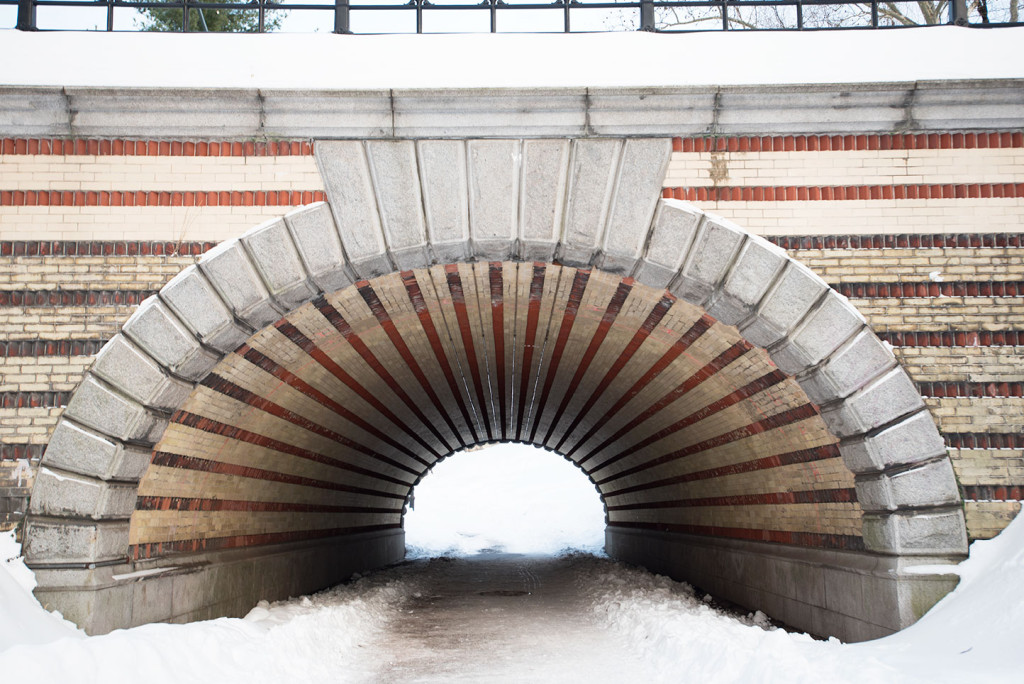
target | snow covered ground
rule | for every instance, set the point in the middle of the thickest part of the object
(976, 634)
(326, 61)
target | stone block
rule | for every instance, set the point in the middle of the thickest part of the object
(674, 227)
(134, 373)
(198, 306)
(27, 112)
(929, 485)
(350, 193)
(593, 167)
(323, 114)
(912, 440)
(444, 182)
(494, 197)
(821, 332)
(97, 610)
(63, 494)
(232, 274)
(710, 257)
(151, 600)
(278, 262)
(396, 181)
(882, 401)
(489, 112)
(319, 245)
(651, 111)
(793, 294)
(754, 271)
(161, 335)
(218, 113)
(60, 540)
(916, 533)
(642, 166)
(545, 176)
(78, 449)
(98, 406)
(852, 366)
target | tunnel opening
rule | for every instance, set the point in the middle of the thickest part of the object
(503, 498)
(256, 429)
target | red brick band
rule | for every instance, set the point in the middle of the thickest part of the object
(750, 389)
(73, 248)
(181, 503)
(216, 427)
(955, 288)
(814, 143)
(419, 305)
(334, 317)
(496, 285)
(790, 242)
(839, 193)
(994, 492)
(123, 147)
(529, 343)
(954, 338)
(813, 496)
(369, 296)
(971, 389)
(73, 297)
(822, 453)
(650, 323)
(984, 440)
(150, 550)
(772, 422)
(155, 198)
(733, 352)
(611, 312)
(815, 539)
(16, 400)
(455, 288)
(572, 308)
(901, 241)
(270, 366)
(15, 452)
(296, 337)
(36, 348)
(692, 334)
(170, 460)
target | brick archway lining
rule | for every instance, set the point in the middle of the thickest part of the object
(397, 210)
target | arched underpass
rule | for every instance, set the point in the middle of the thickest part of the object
(255, 430)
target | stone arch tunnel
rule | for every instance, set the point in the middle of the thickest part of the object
(256, 428)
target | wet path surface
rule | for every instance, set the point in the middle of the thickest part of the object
(501, 618)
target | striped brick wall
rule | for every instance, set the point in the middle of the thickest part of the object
(922, 232)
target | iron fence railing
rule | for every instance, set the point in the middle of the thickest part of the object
(459, 16)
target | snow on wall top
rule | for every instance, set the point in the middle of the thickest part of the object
(327, 61)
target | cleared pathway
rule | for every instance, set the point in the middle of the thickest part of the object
(504, 618)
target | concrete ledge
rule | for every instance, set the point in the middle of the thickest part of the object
(855, 596)
(206, 586)
(990, 104)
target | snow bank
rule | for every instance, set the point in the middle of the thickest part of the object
(976, 633)
(680, 632)
(978, 629)
(326, 61)
(22, 619)
(315, 638)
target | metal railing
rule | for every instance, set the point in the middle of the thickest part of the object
(664, 16)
